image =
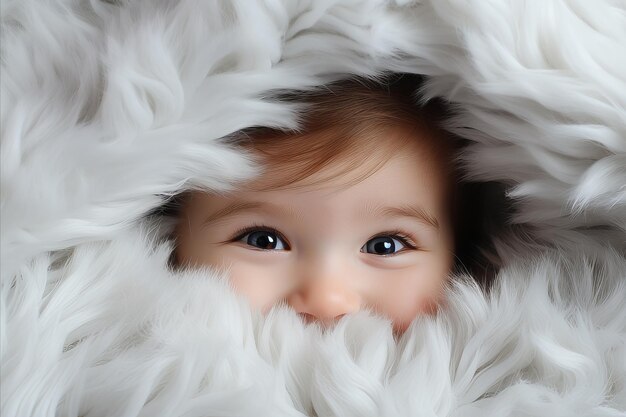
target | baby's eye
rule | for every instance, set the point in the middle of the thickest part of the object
(264, 239)
(383, 245)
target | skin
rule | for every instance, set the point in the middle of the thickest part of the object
(316, 256)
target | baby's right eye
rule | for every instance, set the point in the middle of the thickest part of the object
(265, 239)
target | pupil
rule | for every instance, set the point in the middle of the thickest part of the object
(262, 240)
(383, 245)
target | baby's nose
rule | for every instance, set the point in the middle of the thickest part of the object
(325, 299)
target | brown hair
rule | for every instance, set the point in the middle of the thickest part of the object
(346, 122)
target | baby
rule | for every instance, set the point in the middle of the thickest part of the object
(355, 211)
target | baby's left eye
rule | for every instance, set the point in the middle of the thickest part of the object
(383, 245)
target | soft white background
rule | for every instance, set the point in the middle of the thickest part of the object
(108, 106)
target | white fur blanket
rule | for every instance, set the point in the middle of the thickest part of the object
(107, 106)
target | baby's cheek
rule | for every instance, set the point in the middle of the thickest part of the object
(402, 314)
(411, 296)
(260, 288)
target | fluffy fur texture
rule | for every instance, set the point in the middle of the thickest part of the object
(107, 107)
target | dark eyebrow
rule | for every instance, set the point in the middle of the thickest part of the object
(244, 206)
(416, 212)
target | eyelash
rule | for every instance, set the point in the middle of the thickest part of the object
(401, 236)
(239, 234)
(398, 234)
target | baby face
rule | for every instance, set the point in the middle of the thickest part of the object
(384, 243)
